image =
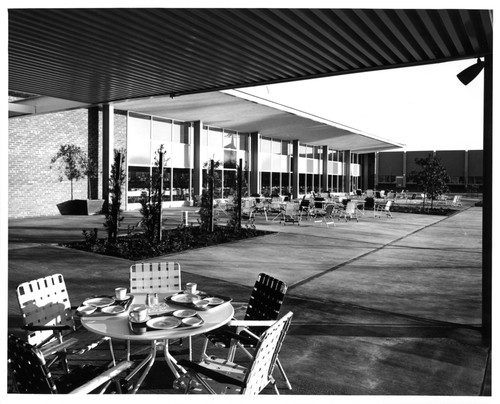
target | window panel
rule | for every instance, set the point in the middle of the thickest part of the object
(138, 141)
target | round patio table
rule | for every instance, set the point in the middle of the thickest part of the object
(118, 326)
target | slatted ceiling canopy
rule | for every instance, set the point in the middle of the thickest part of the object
(96, 56)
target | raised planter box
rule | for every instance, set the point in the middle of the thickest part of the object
(81, 207)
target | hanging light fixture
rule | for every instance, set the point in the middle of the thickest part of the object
(469, 74)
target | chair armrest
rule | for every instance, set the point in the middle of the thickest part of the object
(102, 378)
(251, 323)
(46, 327)
(56, 346)
(212, 374)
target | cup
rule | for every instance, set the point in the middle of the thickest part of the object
(139, 314)
(121, 293)
(191, 287)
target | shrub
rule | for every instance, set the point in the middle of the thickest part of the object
(138, 246)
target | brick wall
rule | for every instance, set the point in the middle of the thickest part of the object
(34, 188)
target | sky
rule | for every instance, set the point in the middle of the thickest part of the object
(422, 107)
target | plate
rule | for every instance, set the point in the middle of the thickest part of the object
(192, 322)
(86, 310)
(99, 302)
(214, 301)
(113, 309)
(184, 313)
(185, 298)
(164, 323)
(139, 322)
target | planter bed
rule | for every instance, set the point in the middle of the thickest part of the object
(137, 246)
(419, 209)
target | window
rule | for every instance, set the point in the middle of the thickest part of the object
(181, 189)
(230, 159)
(180, 132)
(265, 145)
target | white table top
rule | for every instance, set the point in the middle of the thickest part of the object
(118, 325)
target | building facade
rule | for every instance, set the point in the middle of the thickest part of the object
(465, 168)
(270, 165)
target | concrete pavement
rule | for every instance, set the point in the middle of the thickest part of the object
(381, 307)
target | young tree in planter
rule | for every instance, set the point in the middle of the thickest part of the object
(151, 201)
(432, 178)
(116, 183)
(72, 163)
(207, 217)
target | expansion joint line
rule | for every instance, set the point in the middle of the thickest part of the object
(343, 264)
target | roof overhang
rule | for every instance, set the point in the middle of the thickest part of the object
(240, 111)
(100, 55)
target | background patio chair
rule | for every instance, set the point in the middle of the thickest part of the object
(49, 322)
(219, 376)
(456, 201)
(291, 213)
(350, 211)
(30, 373)
(265, 303)
(383, 208)
(248, 210)
(327, 215)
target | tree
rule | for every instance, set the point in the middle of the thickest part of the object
(116, 182)
(72, 163)
(151, 201)
(432, 178)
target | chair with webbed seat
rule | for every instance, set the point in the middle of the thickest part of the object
(350, 211)
(326, 215)
(248, 209)
(264, 305)
(49, 322)
(381, 209)
(220, 376)
(31, 374)
(291, 213)
(155, 277)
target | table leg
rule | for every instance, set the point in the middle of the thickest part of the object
(171, 361)
(148, 362)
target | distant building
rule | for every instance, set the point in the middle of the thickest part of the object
(393, 169)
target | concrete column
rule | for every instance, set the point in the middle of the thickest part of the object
(254, 163)
(466, 169)
(347, 171)
(375, 174)
(324, 178)
(487, 200)
(197, 163)
(404, 170)
(295, 169)
(93, 149)
(107, 149)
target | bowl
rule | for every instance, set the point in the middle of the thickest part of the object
(201, 304)
(86, 310)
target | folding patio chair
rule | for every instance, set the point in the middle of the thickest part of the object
(220, 376)
(380, 209)
(156, 277)
(265, 302)
(291, 213)
(326, 215)
(248, 210)
(350, 211)
(31, 375)
(48, 320)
